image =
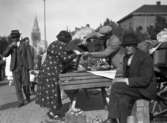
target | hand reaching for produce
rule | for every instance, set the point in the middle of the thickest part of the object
(77, 52)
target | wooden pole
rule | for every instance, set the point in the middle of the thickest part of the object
(44, 20)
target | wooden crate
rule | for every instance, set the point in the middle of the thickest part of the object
(141, 111)
(80, 80)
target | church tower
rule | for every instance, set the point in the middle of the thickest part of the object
(35, 34)
(40, 46)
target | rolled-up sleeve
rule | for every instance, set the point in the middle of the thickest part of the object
(112, 46)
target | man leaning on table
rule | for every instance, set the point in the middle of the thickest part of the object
(137, 81)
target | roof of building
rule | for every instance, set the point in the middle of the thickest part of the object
(152, 8)
(147, 10)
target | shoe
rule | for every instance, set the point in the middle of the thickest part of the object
(20, 105)
(53, 116)
(110, 121)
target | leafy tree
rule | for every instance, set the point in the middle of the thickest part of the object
(116, 29)
(107, 22)
(140, 34)
(160, 24)
(151, 31)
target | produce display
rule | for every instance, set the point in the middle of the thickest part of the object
(89, 63)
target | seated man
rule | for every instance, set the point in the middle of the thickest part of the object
(137, 81)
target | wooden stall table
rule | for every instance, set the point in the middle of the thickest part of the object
(85, 80)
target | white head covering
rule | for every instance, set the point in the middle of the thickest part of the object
(105, 29)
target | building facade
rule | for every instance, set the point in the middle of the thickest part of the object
(144, 16)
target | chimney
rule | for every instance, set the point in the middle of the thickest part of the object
(158, 3)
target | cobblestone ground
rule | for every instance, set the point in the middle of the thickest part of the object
(27, 114)
(32, 113)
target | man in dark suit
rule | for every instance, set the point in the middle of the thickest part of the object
(137, 81)
(21, 63)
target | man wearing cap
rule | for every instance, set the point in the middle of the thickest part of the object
(20, 62)
(104, 33)
(137, 81)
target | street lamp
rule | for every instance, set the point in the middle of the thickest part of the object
(44, 20)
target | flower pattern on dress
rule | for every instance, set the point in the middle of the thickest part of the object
(48, 77)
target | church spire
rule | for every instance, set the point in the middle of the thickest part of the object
(35, 34)
(36, 26)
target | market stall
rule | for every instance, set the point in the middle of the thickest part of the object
(88, 80)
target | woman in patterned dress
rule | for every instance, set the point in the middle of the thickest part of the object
(48, 91)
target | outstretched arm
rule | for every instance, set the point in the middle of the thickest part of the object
(113, 45)
(105, 53)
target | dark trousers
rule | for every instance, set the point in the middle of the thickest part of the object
(20, 85)
(122, 98)
(32, 87)
(2, 70)
(1, 77)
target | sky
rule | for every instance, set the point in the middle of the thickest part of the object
(62, 14)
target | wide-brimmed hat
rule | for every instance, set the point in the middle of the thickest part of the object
(93, 35)
(15, 34)
(130, 39)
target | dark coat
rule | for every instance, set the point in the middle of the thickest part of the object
(11, 51)
(141, 74)
(26, 57)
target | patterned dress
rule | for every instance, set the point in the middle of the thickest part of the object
(57, 55)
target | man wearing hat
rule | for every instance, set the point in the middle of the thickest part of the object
(137, 81)
(19, 67)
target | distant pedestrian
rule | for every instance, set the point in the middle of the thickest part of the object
(30, 49)
(21, 63)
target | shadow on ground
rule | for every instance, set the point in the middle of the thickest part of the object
(92, 100)
(8, 106)
(12, 105)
